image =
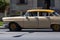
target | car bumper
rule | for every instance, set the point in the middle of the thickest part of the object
(5, 25)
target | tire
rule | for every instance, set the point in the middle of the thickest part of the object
(56, 27)
(14, 27)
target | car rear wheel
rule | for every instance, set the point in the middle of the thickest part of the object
(14, 27)
(56, 27)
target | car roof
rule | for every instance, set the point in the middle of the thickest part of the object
(40, 10)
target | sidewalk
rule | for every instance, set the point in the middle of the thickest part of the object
(2, 27)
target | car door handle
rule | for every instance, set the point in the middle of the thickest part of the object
(26, 17)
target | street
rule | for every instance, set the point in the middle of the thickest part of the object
(29, 34)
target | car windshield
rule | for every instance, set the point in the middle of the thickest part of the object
(55, 13)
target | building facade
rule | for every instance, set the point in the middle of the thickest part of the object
(17, 6)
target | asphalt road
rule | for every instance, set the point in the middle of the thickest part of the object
(29, 34)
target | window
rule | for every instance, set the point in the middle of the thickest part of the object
(43, 13)
(31, 14)
(22, 2)
(54, 14)
(50, 14)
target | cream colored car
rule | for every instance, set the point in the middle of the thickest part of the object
(34, 18)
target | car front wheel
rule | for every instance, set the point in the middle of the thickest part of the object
(14, 27)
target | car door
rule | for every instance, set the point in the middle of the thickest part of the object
(55, 18)
(31, 20)
(44, 20)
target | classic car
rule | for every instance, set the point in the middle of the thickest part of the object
(34, 18)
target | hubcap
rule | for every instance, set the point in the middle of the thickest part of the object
(13, 26)
(56, 27)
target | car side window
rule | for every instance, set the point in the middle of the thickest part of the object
(50, 14)
(32, 13)
(43, 14)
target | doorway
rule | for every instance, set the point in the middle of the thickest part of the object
(47, 4)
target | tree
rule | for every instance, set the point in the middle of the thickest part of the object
(3, 6)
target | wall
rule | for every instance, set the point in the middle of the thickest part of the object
(31, 4)
(57, 4)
